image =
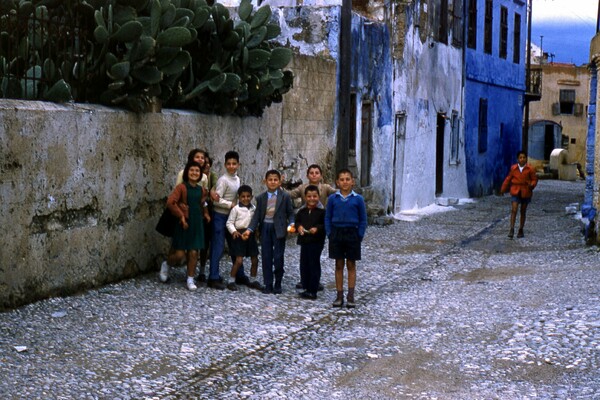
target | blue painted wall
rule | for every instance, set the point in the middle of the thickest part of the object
(372, 67)
(591, 142)
(502, 83)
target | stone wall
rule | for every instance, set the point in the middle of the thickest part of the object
(82, 186)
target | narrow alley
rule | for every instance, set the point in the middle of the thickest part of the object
(447, 308)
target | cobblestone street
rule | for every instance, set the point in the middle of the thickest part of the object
(447, 308)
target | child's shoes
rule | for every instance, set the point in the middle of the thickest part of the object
(190, 284)
(164, 272)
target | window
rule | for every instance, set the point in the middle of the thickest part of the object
(457, 26)
(472, 26)
(503, 32)
(567, 101)
(483, 125)
(517, 40)
(442, 34)
(454, 138)
(487, 29)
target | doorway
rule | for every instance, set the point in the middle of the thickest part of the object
(398, 171)
(439, 154)
(366, 143)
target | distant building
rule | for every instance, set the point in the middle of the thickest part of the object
(559, 119)
(494, 90)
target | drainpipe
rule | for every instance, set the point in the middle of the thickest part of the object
(345, 59)
(525, 135)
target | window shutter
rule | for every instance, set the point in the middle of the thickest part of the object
(555, 108)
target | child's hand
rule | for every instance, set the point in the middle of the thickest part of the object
(184, 223)
(236, 235)
(301, 230)
(246, 235)
(214, 195)
(291, 228)
(312, 230)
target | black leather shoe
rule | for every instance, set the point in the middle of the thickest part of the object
(309, 296)
(520, 233)
(255, 285)
(350, 302)
(277, 289)
(267, 290)
(232, 286)
(321, 288)
(244, 280)
(299, 285)
(216, 284)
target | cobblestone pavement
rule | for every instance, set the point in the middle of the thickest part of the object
(448, 308)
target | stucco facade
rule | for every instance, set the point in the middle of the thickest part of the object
(429, 119)
(559, 119)
(494, 88)
(591, 203)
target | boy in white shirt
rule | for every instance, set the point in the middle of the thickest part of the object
(226, 189)
(238, 221)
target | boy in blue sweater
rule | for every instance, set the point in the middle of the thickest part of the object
(345, 226)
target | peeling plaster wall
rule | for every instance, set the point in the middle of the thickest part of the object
(372, 81)
(592, 182)
(502, 83)
(82, 186)
(428, 81)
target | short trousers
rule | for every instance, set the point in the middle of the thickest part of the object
(344, 243)
(244, 248)
(520, 200)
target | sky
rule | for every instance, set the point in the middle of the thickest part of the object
(567, 27)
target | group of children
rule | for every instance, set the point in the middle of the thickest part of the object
(339, 215)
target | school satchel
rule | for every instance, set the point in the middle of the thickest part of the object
(166, 223)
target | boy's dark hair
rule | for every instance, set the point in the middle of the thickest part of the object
(311, 188)
(314, 166)
(344, 171)
(193, 153)
(189, 165)
(521, 152)
(273, 172)
(244, 189)
(232, 154)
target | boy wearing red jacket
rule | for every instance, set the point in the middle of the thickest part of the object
(521, 180)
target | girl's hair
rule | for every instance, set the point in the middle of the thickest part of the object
(186, 170)
(193, 153)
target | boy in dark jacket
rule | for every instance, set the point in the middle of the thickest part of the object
(310, 225)
(274, 215)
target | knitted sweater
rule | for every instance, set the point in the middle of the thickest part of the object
(227, 187)
(346, 212)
